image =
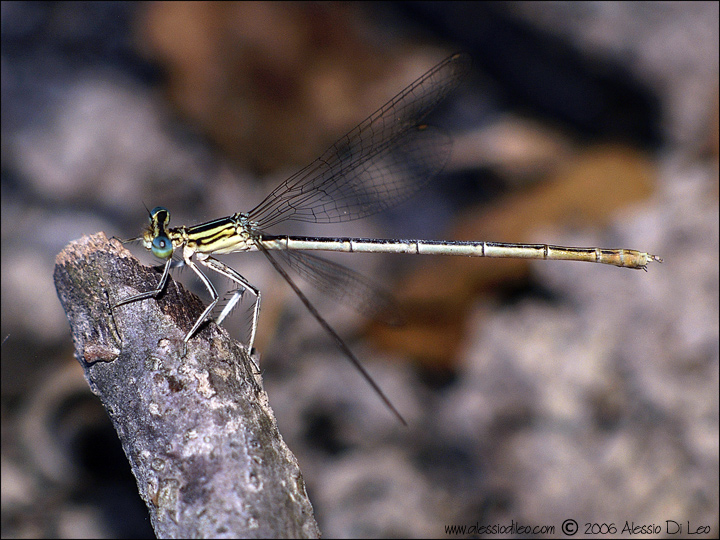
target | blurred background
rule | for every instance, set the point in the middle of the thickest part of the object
(535, 392)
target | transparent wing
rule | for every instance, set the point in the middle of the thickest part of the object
(379, 164)
(343, 284)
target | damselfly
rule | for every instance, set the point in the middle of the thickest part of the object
(380, 163)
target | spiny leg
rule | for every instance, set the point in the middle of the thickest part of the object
(149, 294)
(234, 298)
(233, 275)
(213, 302)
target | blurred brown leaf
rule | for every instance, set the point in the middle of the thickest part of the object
(271, 83)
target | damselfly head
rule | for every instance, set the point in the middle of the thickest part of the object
(155, 237)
